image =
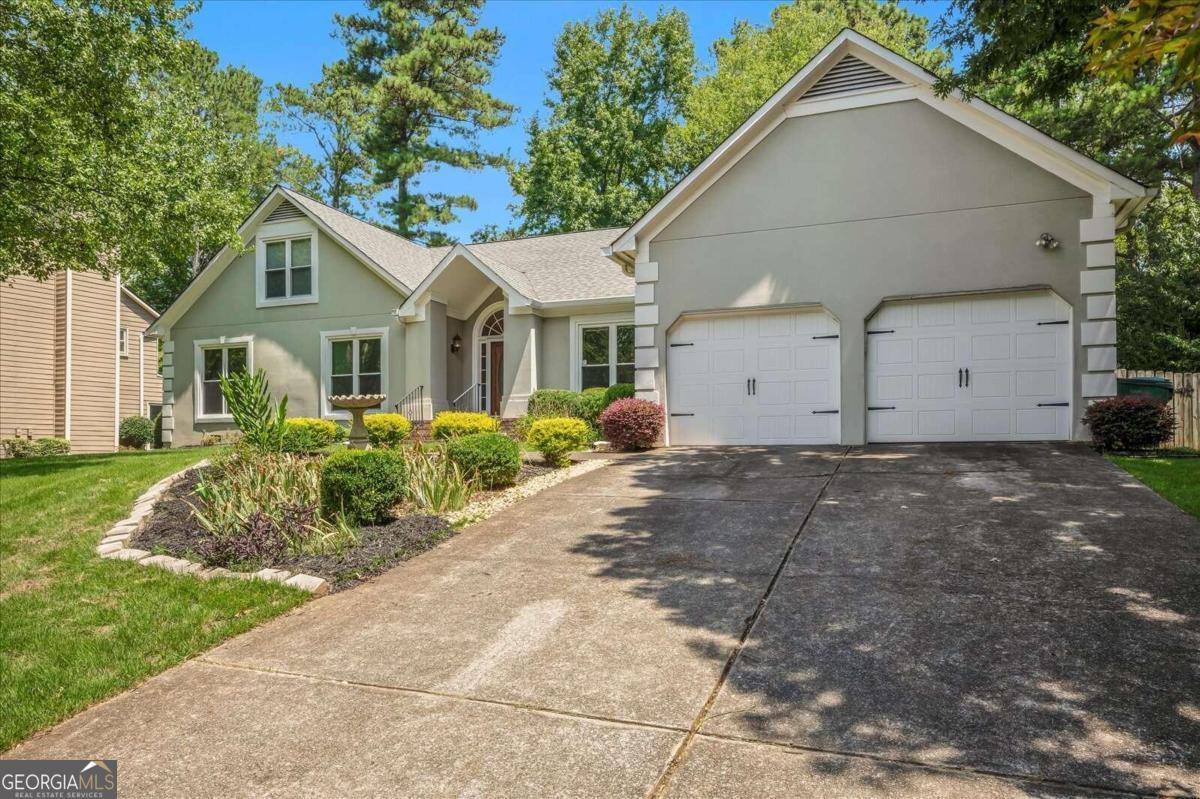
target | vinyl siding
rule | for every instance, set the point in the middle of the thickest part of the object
(27, 356)
(141, 361)
(93, 363)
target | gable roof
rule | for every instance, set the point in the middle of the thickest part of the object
(853, 71)
(558, 268)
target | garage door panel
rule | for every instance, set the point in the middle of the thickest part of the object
(755, 378)
(1006, 376)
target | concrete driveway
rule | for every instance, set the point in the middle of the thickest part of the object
(925, 621)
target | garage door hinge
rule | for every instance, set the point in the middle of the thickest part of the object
(831, 335)
(877, 332)
(824, 411)
(1054, 404)
(881, 407)
(1063, 322)
(688, 344)
(683, 414)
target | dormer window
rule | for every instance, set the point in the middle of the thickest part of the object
(287, 265)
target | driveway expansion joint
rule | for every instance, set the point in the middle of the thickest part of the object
(664, 779)
(948, 768)
(404, 689)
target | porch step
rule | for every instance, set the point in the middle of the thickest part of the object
(421, 431)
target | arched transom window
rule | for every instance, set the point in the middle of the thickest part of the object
(493, 325)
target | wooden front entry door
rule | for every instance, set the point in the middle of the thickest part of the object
(495, 377)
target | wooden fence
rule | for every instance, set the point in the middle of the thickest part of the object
(1186, 403)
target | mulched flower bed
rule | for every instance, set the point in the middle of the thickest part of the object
(171, 530)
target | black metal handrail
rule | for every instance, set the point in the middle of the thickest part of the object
(413, 405)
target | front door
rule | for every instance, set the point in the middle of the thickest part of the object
(495, 377)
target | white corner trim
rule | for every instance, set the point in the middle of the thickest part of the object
(328, 336)
(286, 232)
(1097, 229)
(643, 294)
(1101, 254)
(645, 314)
(1099, 384)
(576, 325)
(1101, 359)
(1097, 281)
(1098, 333)
(1102, 306)
(645, 272)
(198, 347)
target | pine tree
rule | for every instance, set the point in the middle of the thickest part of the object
(425, 64)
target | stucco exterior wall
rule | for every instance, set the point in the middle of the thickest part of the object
(554, 353)
(852, 207)
(287, 339)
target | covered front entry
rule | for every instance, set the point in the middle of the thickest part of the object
(982, 367)
(762, 377)
(490, 360)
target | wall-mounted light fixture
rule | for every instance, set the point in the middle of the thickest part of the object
(456, 343)
(1046, 242)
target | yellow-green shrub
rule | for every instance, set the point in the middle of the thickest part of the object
(557, 438)
(306, 434)
(448, 424)
(387, 429)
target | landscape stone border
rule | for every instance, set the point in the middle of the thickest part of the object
(115, 546)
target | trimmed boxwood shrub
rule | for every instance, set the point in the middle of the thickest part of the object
(1129, 424)
(387, 429)
(43, 447)
(136, 431)
(617, 391)
(491, 459)
(304, 434)
(364, 484)
(591, 402)
(556, 403)
(557, 438)
(449, 424)
(632, 424)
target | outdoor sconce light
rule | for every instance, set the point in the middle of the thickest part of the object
(456, 343)
(1046, 242)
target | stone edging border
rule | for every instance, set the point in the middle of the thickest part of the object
(115, 546)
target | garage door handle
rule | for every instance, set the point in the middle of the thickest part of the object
(831, 335)
(968, 371)
(747, 386)
(824, 411)
(754, 386)
(683, 414)
(881, 407)
(1053, 404)
(1063, 322)
(688, 344)
(877, 332)
(960, 378)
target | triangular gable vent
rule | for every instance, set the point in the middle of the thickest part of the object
(850, 75)
(283, 212)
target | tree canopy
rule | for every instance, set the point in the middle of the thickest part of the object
(123, 147)
(754, 61)
(615, 91)
(425, 65)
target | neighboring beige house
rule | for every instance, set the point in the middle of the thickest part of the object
(75, 357)
(861, 260)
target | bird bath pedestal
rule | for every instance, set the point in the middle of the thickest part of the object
(356, 404)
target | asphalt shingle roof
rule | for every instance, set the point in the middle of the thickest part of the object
(553, 268)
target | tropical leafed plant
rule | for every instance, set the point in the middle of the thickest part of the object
(255, 412)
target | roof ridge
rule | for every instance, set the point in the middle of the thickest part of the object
(375, 225)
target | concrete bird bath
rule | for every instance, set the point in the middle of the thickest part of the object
(357, 404)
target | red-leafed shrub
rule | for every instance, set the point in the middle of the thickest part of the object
(1129, 423)
(632, 423)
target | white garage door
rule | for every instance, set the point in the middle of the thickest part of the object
(994, 367)
(754, 378)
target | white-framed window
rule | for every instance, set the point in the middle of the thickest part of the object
(353, 361)
(123, 342)
(286, 264)
(601, 351)
(217, 358)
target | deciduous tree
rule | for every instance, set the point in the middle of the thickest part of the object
(616, 88)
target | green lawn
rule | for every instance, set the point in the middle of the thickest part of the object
(1177, 479)
(75, 628)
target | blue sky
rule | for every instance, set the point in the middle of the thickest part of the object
(289, 40)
